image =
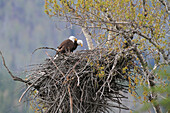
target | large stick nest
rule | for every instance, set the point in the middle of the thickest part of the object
(87, 81)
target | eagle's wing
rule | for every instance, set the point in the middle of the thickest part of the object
(62, 49)
(63, 43)
(65, 46)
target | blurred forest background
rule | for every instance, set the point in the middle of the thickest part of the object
(24, 27)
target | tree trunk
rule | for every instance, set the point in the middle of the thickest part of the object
(154, 95)
(157, 108)
(88, 38)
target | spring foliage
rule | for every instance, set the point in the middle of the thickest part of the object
(139, 26)
(142, 24)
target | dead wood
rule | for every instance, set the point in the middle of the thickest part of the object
(87, 81)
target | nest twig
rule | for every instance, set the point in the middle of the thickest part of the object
(87, 81)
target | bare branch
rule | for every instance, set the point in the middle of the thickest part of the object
(165, 4)
(45, 48)
(15, 78)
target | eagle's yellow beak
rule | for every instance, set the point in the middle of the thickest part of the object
(81, 45)
(75, 39)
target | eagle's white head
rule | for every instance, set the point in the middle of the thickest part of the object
(80, 42)
(73, 38)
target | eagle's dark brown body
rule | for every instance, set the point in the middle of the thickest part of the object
(67, 46)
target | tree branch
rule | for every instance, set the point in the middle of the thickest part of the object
(88, 38)
(166, 6)
(15, 78)
(148, 75)
(155, 44)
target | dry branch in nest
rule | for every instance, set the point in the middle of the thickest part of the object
(87, 81)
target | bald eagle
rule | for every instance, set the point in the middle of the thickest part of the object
(77, 43)
(69, 45)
